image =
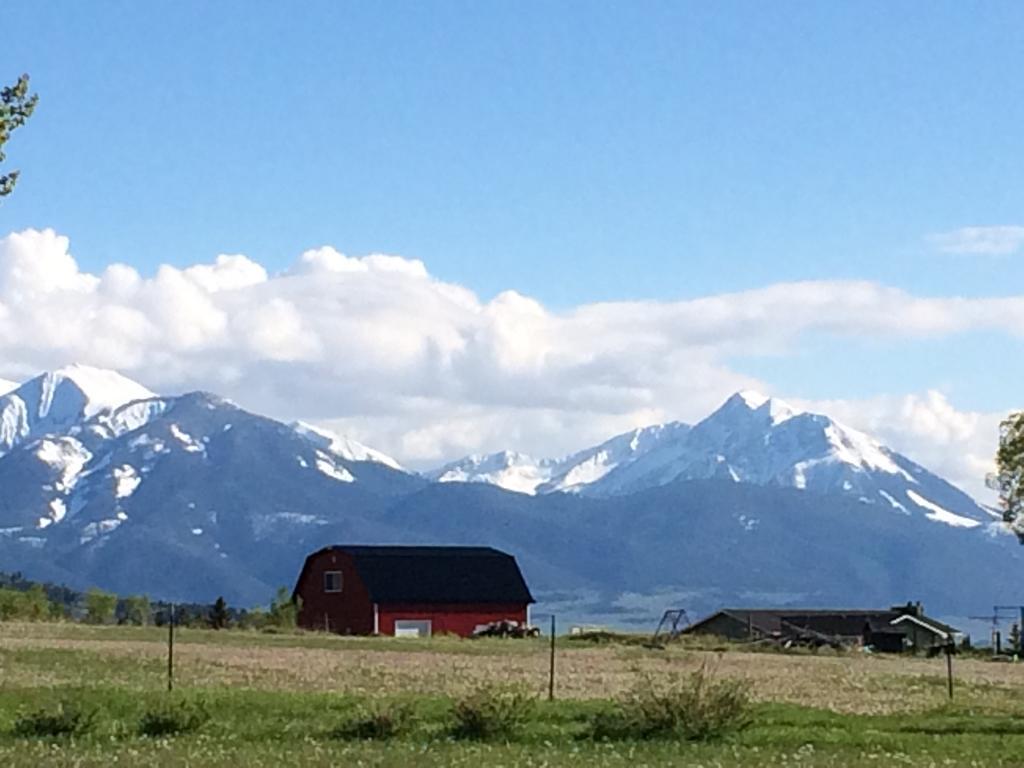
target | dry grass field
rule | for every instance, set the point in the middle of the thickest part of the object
(135, 658)
(815, 709)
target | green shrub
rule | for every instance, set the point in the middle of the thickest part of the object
(173, 717)
(695, 707)
(284, 611)
(64, 719)
(492, 712)
(100, 606)
(26, 605)
(378, 721)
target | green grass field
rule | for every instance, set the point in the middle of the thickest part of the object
(277, 700)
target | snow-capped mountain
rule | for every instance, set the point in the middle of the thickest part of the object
(93, 461)
(90, 471)
(507, 469)
(525, 474)
(7, 386)
(58, 401)
(749, 439)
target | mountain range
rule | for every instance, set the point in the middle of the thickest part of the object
(750, 439)
(105, 483)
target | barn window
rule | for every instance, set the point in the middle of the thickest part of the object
(332, 581)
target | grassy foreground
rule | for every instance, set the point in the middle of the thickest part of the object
(264, 711)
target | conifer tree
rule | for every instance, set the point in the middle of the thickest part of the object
(219, 618)
(16, 106)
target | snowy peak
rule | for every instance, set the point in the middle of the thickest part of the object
(507, 469)
(98, 388)
(756, 430)
(523, 473)
(342, 447)
(7, 386)
(58, 400)
(755, 439)
(754, 405)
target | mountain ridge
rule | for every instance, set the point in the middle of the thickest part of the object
(191, 496)
(750, 438)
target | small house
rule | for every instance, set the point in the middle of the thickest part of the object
(410, 590)
(896, 629)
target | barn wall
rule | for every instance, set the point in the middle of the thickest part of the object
(349, 612)
(454, 619)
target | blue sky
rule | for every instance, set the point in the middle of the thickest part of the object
(573, 152)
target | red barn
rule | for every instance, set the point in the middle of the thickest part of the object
(409, 591)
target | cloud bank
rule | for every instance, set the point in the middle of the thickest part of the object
(427, 371)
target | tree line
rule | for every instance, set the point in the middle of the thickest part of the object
(25, 600)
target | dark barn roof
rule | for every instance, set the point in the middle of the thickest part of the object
(823, 622)
(455, 575)
(837, 622)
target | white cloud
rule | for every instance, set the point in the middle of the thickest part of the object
(995, 241)
(426, 370)
(227, 273)
(327, 259)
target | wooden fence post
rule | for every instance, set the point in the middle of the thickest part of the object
(949, 667)
(170, 648)
(551, 675)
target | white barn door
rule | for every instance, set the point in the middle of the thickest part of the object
(412, 628)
